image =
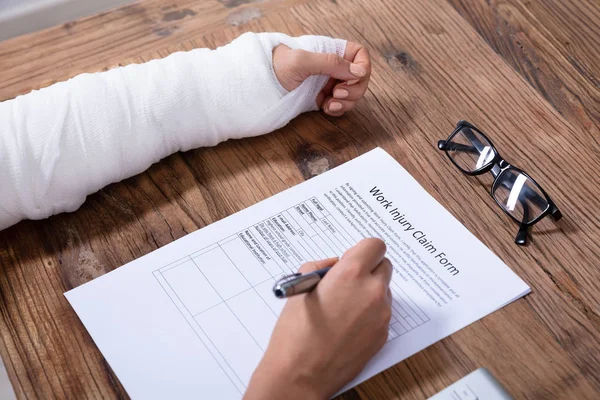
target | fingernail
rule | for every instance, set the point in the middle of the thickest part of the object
(340, 93)
(358, 70)
(335, 106)
(352, 82)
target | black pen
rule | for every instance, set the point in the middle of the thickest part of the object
(291, 285)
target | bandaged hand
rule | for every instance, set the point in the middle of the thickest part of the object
(64, 142)
(348, 75)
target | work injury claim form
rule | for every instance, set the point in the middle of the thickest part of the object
(192, 319)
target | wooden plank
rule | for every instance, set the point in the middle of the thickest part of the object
(107, 39)
(554, 45)
(430, 69)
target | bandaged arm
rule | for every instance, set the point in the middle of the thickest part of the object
(61, 143)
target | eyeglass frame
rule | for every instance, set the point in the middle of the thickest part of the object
(503, 166)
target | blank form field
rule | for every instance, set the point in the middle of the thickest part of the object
(255, 315)
(392, 334)
(397, 327)
(265, 290)
(222, 274)
(191, 287)
(230, 337)
(247, 262)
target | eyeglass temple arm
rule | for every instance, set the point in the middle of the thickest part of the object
(555, 212)
(473, 138)
(521, 238)
(445, 145)
(476, 148)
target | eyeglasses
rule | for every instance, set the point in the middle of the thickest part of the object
(515, 192)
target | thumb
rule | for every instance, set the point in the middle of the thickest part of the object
(316, 265)
(330, 64)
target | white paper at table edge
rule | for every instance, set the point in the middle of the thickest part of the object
(381, 153)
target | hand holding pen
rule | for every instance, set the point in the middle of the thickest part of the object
(345, 318)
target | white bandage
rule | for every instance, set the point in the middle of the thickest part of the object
(61, 143)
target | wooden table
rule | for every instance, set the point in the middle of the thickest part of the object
(527, 72)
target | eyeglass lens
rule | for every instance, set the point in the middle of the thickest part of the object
(470, 150)
(519, 196)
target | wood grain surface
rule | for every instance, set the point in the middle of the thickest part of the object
(526, 72)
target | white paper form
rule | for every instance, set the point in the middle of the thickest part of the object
(193, 318)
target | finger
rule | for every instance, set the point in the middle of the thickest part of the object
(334, 113)
(326, 107)
(384, 271)
(322, 96)
(333, 106)
(316, 265)
(366, 255)
(344, 92)
(329, 64)
(331, 82)
(359, 55)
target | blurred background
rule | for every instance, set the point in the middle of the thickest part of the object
(18, 17)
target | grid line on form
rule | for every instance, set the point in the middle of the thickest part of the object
(251, 286)
(303, 235)
(239, 381)
(307, 235)
(411, 304)
(232, 281)
(232, 297)
(227, 240)
(333, 222)
(333, 245)
(327, 240)
(226, 304)
(266, 225)
(270, 252)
